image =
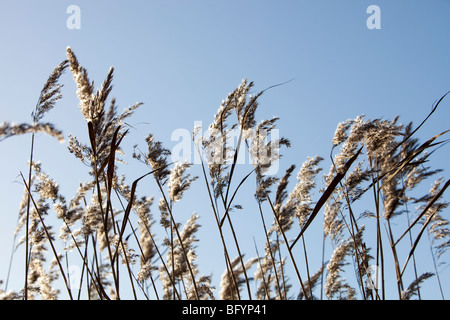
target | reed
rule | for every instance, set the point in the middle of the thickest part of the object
(109, 227)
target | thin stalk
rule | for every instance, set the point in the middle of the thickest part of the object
(327, 193)
(380, 254)
(11, 259)
(233, 165)
(413, 256)
(95, 262)
(307, 264)
(30, 165)
(351, 231)
(355, 245)
(281, 268)
(164, 265)
(395, 257)
(230, 271)
(100, 290)
(240, 257)
(139, 245)
(288, 248)
(227, 206)
(128, 266)
(266, 288)
(227, 216)
(157, 251)
(49, 238)
(270, 250)
(227, 210)
(141, 287)
(84, 266)
(100, 201)
(143, 255)
(27, 262)
(216, 216)
(435, 265)
(88, 283)
(425, 210)
(323, 264)
(179, 239)
(427, 222)
(172, 249)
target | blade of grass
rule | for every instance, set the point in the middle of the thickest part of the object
(425, 210)
(423, 122)
(326, 194)
(140, 248)
(129, 206)
(409, 157)
(104, 214)
(432, 201)
(97, 283)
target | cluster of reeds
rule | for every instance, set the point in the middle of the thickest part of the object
(107, 227)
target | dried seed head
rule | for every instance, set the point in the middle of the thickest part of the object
(179, 182)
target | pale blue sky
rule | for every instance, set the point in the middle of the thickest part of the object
(181, 58)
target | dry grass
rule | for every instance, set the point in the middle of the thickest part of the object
(108, 227)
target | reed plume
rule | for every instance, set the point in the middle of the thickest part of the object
(370, 201)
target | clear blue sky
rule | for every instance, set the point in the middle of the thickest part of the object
(181, 58)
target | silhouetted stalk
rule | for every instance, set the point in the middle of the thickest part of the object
(307, 265)
(139, 246)
(100, 201)
(413, 257)
(270, 251)
(380, 252)
(289, 249)
(227, 207)
(128, 266)
(27, 262)
(323, 265)
(179, 238)
(436, 268)
(398, 273)
(49, 238)
(216, 216)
